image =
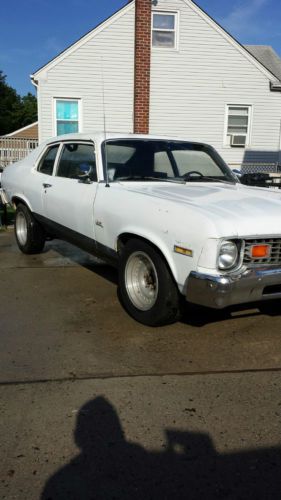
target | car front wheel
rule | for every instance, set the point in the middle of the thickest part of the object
(30, 235)
(146, 286)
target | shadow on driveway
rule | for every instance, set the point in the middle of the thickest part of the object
(189, 467)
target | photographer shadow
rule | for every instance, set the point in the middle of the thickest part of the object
(189, 467)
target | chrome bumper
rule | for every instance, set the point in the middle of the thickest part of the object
(251, 285)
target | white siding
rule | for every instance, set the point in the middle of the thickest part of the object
(79, 75)
(191, 87)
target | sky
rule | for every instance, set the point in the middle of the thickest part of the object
(35, 31)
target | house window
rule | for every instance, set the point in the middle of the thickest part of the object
(164, 29)
(238, 126)
(67, 116)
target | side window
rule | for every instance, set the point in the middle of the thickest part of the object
(78, 161)
(47, 162)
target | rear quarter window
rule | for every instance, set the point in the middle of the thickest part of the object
(46, 164)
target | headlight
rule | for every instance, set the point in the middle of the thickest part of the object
(228, 255)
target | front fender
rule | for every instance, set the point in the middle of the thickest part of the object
(180, 265)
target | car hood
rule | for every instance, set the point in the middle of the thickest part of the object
(235, 209)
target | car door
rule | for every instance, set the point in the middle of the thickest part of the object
(39, 177)
(69, 199)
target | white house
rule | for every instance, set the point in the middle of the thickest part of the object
(165, 67)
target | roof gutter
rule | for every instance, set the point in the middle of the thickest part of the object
(275, 86)
(33, 81)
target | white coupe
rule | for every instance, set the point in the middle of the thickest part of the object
(169, 213)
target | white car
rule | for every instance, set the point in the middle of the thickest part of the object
(169, 213)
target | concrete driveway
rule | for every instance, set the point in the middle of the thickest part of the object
(94, 405)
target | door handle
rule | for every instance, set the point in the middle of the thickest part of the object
(45, 185)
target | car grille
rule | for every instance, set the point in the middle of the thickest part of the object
(273, 259)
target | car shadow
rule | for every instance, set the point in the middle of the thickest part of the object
(200, 316)
(109, 466)
(192, 315)
(84, 259)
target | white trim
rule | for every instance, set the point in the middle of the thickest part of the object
(231, 40)
(83, 40)
(21, 130)
(54, 117)
(176, 15)
(250, 121)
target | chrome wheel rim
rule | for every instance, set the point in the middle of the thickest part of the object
(141, 281)
(21, 228)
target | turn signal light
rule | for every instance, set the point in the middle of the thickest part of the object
(260, 251)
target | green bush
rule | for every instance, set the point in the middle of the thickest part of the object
(7, 215)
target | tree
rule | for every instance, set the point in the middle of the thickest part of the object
(15, 111)
(27, 112)
(9, 104)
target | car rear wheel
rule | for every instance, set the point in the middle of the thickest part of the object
(29, 234)
(146, 286)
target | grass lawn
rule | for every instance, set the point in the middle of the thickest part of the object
(7, 218)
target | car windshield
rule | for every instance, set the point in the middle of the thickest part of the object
(163, 160)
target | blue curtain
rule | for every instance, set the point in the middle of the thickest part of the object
(67, 117)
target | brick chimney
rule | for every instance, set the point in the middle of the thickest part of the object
(142, 65)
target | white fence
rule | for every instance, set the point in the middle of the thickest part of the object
(14, 149)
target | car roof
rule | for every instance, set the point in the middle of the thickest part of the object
(101, 136)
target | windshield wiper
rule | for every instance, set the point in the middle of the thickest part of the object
(209, 179)
(149, 178)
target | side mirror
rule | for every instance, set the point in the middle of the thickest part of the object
(85, 179)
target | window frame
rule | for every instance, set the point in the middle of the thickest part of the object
(55, 120)
(226, 141)
(175, 30)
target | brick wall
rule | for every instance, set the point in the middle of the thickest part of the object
(142, 66)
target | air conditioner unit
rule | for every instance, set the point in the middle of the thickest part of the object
(238, 140)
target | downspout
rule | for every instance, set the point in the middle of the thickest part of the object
(279, 153)
(276, 87)
(36, 85)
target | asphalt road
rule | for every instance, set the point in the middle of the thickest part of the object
(94, 405)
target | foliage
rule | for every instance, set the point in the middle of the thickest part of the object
(15, 111)
(7, 216)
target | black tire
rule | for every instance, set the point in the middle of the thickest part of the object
(163, 306)
(29, 234)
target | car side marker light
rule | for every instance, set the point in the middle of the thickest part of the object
(183, 251)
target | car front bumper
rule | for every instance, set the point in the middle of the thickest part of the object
(251, 285)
